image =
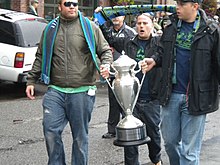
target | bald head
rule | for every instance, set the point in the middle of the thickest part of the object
(144, 26)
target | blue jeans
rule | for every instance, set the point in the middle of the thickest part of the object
(59, 109)
(148, 113)
(182, 132)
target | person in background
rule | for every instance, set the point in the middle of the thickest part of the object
(216, 18)
(164, 22)
(121, 30)
(147, 108)
(157, 27)
(33, 7)
(66, 62)
(189, 54)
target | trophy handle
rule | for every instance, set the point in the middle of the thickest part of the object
(112, 73)
(142, 80)
(109, 83)
(139, 68)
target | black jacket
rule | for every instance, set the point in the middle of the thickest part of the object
(124, 32)
(204, 65)
(130, 46)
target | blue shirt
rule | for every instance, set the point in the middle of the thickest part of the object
(144, 93)
(183, 57)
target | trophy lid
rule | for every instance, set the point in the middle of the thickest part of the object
(124, 61)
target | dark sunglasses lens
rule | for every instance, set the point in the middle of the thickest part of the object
(68, 4)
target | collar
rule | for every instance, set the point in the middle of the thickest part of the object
(65, 20)
(195, 25)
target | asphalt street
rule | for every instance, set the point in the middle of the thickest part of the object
(22, 142)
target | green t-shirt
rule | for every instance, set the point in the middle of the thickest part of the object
(73, 90)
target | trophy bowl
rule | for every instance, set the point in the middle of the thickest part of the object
(130, 130)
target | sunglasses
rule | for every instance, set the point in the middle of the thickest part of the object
(68, 4)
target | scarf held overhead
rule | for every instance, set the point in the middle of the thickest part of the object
(107, 13)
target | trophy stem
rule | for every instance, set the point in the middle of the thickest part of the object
(128, 112)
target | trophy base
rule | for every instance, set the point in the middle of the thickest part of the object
(131, 136)
(131, 143)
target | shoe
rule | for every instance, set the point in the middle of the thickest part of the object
(108, 135)
(159, 163)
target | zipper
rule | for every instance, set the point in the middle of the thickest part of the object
(66, 47)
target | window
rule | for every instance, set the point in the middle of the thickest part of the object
(7, 33)
(25, 33)
(6, 4)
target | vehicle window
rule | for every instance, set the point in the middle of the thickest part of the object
(7, 33)
(31, 31)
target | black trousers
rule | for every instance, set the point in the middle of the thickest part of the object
(148, 113)
(115, 110)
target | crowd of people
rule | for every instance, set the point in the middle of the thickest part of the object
(180, 61)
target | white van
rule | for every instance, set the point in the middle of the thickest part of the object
(19, 38)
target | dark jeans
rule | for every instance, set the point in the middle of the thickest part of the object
(148, 113)
(114, 110)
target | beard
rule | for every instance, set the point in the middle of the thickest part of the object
(116, 22)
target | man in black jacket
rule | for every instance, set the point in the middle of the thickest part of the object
(147, 108)
(190, 59)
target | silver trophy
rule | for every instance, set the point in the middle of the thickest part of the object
(126, 87)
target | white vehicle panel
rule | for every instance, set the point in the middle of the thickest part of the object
(7, 58)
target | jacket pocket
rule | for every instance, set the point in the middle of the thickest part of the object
(207, 95)
(202, 62)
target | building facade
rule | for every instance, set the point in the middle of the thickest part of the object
(48, 8)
